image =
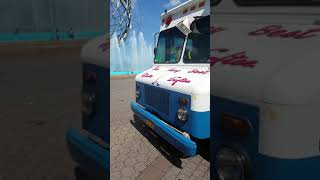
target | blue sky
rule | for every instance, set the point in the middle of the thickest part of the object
(149, 11)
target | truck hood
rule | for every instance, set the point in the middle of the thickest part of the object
(96, 51)
(191, 80)
(265, 62)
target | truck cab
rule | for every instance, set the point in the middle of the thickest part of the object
(89, 146)
(173, 96)
(265, 99)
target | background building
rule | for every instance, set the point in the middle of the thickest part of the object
(34, 16)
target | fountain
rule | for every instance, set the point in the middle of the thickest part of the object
(131, 56)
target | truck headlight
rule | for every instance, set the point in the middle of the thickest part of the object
(231, 165)
(235, 126)
(182, 114)
(137, 92)
(88, 104)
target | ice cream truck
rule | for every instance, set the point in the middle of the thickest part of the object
(265, 93)
(89, 146)
(173, 97)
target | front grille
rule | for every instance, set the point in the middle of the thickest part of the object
(157, 98)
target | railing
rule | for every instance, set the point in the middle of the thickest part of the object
(125, 73)
(46, 36)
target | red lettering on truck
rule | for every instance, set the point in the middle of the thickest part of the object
(147, 75)
(104, 46)
(174, 70)
(197, 71)
(215, 29)
(279, 31)
(157, 68)
(235, 59)
(178, 79)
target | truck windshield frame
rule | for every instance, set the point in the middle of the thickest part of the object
(197, 50)
(214, 2)
(277, 2)
(170, 46)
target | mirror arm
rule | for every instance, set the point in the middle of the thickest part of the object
(155, 51)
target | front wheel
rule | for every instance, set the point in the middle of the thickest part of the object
(203, 148)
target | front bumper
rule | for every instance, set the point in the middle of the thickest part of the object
(180, 142)
(91, 157)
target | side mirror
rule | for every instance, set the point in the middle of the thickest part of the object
(155, 38)
(154, 51)
(184, 26)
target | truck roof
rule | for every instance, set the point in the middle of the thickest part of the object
(253, 7)
(183, 5)
(191, 8)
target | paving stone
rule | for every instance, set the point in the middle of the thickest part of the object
(186, 171)
(140, 166)
(172, 173)
(182, 176)
(128, 172)
(194, 177)
(115, 175)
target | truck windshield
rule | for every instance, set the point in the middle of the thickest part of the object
(169, 48)
(198, 43)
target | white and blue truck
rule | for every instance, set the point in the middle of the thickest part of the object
(89, 147)
(173, 96)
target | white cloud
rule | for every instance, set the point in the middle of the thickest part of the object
(172, 3)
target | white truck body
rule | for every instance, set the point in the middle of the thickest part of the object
(268, 57)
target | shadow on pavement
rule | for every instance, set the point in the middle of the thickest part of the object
(166, 149)
(80, 174)
(204, 148)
